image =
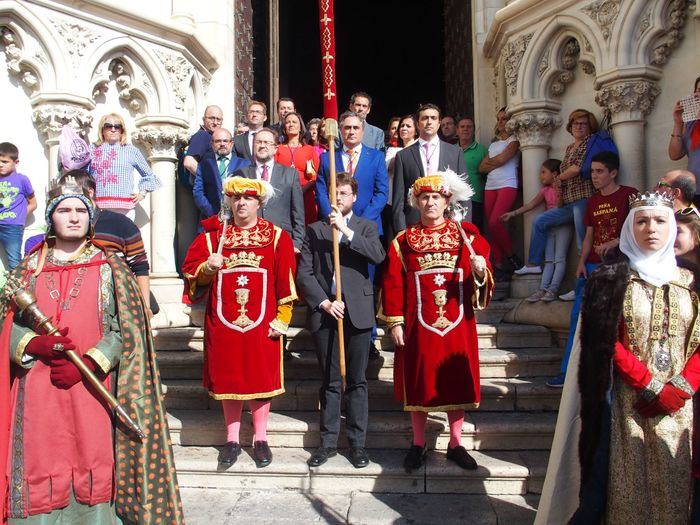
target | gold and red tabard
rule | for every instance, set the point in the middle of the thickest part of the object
(429, 287)
(252, 293)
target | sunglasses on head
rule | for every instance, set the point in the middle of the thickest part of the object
(687, 211)
(109, 125)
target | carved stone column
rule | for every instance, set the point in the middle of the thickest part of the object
(533, 128)
(629, 101)
(161, 143)
(50, 117)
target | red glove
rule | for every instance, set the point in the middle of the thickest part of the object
(43, 345)
(64, 374)
(669, 400)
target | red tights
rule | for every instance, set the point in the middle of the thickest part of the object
(455, 418)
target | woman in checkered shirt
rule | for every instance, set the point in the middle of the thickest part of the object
(112, 165)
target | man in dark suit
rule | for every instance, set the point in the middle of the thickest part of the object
(365, 164)
(256, 117)
(212, 170)
(359, 248)
(286, 208)
(424, 157)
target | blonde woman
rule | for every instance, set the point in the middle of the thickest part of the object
(112, 164)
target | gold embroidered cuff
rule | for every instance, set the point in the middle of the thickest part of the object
(280, 326)
(652, 389)
(99, 358)
(681, 383)
(390, 320)
(22, 346)
(482, 291)
(284, 313)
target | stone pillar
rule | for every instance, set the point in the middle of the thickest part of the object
(50, 117)
(533, 128)
(629, 101)
(161, 139)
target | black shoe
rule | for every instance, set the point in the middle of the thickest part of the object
(229, 454)
(320, 456)
(460, 456)
(262, 453)
(414, 459)
(358, 457)
(515, 263)
(373, 352)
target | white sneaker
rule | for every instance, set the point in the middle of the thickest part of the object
(568, 296)
(525, 270)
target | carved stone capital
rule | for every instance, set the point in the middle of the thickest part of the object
(50, 118)
(628, 96)
(162, 142)
(534, 128)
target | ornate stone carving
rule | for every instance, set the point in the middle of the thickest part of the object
(179, 71)
(125, 82)
(673, 34)
(588, 67)
(544, 63)
(50, 118)
(630, 95)
(644, 23)
(161, 141)
(512, 56)
(15, 57)
(604, 13)
(76, 37)
(534, 128)
(569, 59)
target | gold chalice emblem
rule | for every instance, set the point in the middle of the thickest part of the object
(440, 297)
(242, 296)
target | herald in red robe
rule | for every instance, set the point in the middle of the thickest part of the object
(428, 285)
(250, 294)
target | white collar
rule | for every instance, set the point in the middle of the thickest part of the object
(270, 164)
(356, 150)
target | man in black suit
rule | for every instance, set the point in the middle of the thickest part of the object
(286, 208)
(359, 247)
(424, 157)
(256, 117)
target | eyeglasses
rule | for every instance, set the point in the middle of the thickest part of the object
(115, 127)
(343, 194)
(221, 141)
(579, 124)
(687, 211)
(663, 184)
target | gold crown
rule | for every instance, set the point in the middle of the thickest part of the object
(651, 199)
(435, 260)
(244, 259)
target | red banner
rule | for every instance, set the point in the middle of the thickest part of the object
(327, 26)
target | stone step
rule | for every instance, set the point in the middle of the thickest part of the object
(495, 363)
(499, 472)
(391, 430)
(500, 335)
(207, 506)
(496, 395)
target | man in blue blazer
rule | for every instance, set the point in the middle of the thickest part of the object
(214, 167)
(365, 164)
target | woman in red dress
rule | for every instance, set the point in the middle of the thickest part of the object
(294, 152)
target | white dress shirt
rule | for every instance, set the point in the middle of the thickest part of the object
(346, 158)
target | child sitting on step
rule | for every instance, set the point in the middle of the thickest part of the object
(558, 238)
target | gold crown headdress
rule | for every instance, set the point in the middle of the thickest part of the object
(649, 199)
(59, 192)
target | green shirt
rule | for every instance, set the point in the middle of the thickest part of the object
(473, 155)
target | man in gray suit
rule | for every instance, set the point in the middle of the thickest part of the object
(243, 143)
(361, 103)
(424, 157)
(359, 247)
(286, 208)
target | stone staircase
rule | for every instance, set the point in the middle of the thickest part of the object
(510, 433)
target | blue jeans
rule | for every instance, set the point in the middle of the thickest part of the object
(572, 212)
(573, 320)
(11, 239)
(554, 270)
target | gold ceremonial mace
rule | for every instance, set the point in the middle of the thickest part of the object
(331, 133)
(26, 303)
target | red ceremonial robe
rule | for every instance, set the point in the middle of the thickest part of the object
(251, 293)
(428, 285)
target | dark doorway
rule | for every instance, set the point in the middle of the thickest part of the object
(392, 49)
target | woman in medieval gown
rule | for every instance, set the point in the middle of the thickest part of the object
(638, 369)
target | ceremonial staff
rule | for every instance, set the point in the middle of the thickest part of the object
(26, 304)
(330, 114)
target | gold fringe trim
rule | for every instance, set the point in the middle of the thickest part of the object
(245, 397)
(443, 408)
(22, 345)
(96, 355)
